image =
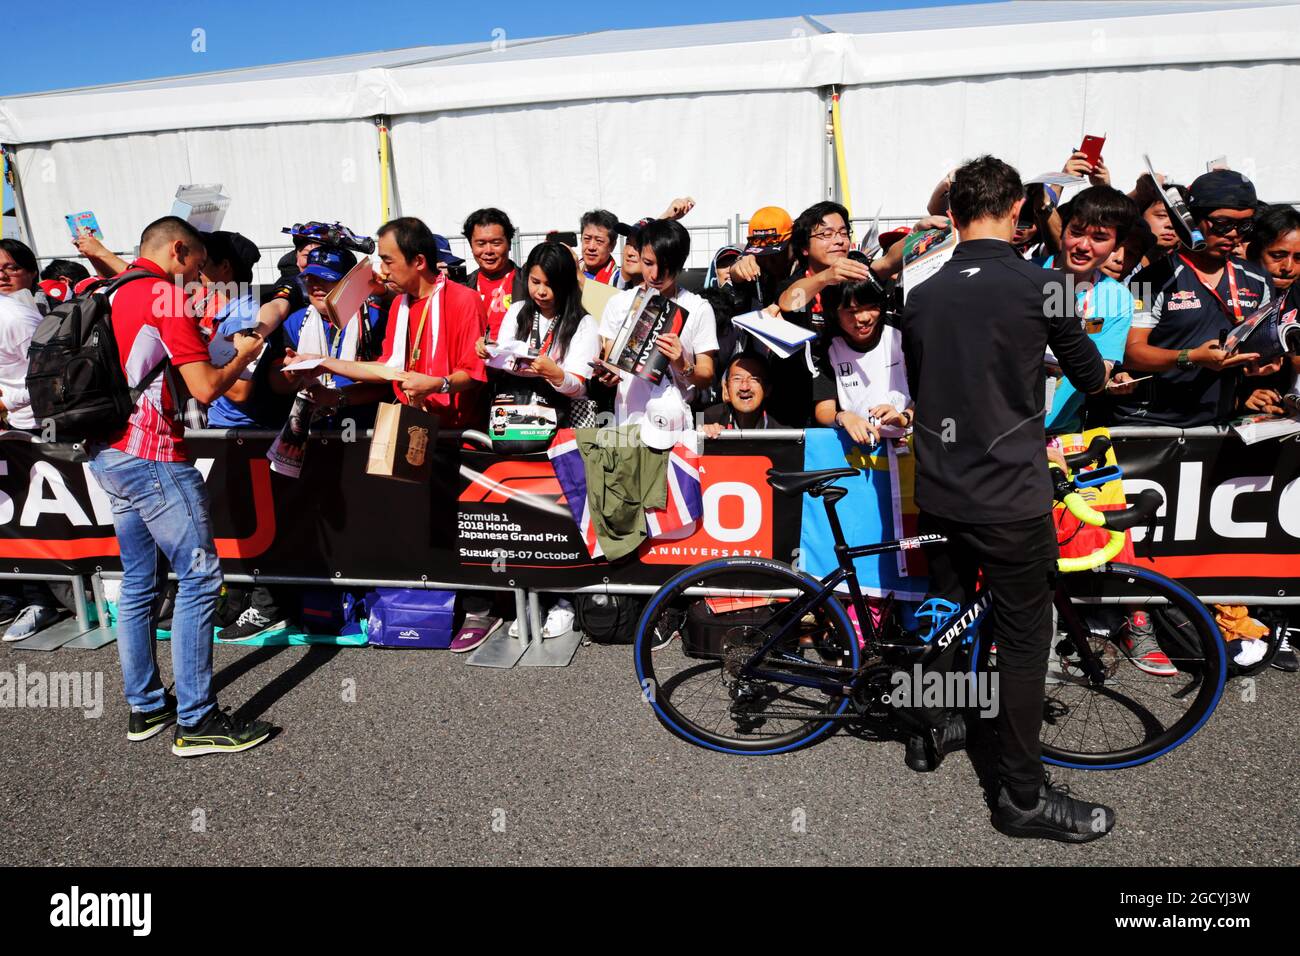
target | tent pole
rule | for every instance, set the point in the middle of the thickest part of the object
(385, 175)
(20, 204)
(846, 197)
(829, 188)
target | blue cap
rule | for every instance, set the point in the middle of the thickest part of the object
(445, 255)
(329, 263)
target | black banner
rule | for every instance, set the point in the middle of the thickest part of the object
(484, 519)
(1230, 526)
(1231, 520)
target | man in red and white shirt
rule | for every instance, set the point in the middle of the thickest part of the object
(432, 328)
(433, 325)
(159, 499)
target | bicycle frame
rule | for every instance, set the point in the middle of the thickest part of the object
(844, 680)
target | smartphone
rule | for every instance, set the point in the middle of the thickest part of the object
(1091, 148)
(569, 239)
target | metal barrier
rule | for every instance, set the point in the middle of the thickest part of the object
(530, 648)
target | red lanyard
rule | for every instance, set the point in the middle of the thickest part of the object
(545, 346)
(1232, 288)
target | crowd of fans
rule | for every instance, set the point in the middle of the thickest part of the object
(1155, 309)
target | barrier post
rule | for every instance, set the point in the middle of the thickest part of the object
(501, 650)
(103, 633)
(548, 651)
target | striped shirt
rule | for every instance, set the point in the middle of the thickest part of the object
(152, 323)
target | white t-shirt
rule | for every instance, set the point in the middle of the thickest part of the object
(19, 318)
(699, 335)
(864, 380)
(583, 348)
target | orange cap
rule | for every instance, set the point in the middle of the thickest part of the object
(769, 231)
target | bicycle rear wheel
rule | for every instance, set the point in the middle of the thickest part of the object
(692, 677)
(1110, 702)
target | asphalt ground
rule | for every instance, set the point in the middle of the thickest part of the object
(434, 762)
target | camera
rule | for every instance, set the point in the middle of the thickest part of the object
(331, 234)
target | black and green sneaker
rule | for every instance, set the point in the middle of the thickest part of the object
(219, 734)
(149, 723)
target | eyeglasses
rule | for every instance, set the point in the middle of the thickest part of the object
(740, 381)
(828, 235)
(12, 270)
(1244, 228)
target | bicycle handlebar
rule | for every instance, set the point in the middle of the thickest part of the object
(1066, 491)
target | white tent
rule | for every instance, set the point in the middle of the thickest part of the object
(733, 114)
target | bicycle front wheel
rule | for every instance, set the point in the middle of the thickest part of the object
(703, 634)
(1136, 667)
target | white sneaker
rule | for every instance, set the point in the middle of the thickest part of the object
(559, 619)
(1252, 652)
(514, 628)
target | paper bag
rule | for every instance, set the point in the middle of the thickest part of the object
(402, 446)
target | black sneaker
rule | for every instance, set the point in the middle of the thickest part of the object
(925, 751)
(219, 734)
(250, 624)
(1056, 816)
(1285, 658)
(149, 723)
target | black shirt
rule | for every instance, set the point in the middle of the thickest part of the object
(974, 337)
(1171, 301)
(291, 290)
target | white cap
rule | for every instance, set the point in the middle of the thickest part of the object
(667, 418)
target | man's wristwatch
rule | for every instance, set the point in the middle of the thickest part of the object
(445, 387)
(1185, 359)
(688, 369)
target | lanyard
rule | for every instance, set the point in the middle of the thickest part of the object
(1232, 287)
(419, 329)
(604, 273)
(534, 333)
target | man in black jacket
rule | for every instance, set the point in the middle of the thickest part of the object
(974, 339)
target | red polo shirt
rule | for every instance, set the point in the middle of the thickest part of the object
(462, 322)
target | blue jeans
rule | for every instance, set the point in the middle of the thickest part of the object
(163, 506)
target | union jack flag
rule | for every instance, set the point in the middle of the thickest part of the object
(685, 499)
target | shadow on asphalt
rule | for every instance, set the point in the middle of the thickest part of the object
(317, 656)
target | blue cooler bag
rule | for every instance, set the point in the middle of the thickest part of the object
(410, 617)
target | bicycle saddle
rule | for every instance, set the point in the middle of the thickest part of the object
(814, 482)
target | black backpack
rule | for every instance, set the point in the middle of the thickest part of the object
(609, 618)
(74, 369)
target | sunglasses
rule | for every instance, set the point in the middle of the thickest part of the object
(1244, 228)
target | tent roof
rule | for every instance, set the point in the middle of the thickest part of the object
(802, 52)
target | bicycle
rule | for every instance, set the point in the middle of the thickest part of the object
(792, 667)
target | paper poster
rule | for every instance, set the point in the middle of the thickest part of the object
(84, 224)
(924, 254)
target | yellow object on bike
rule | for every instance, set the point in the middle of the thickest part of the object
(1077, 506)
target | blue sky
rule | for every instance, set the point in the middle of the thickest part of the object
(151, 39)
